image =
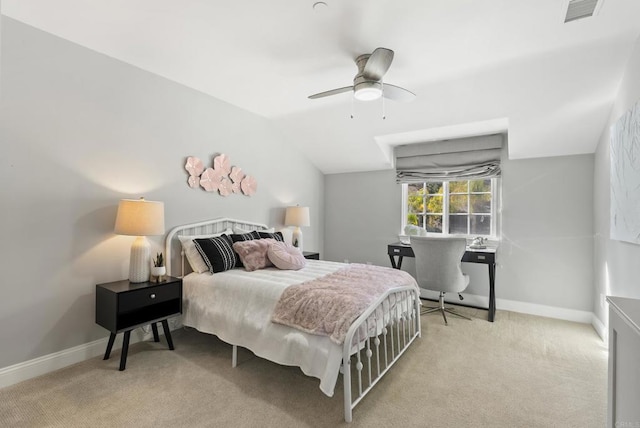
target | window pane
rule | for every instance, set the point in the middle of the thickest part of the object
(480, 186)
(416, 205)
(434, 188)
(468, 207)
(458, 204)
(412, 219)
(414, 188)
(458, 224)
(434, 223)
(481, 203)
(480, 224)
(415, 198)
(434, 204)
(458, 186)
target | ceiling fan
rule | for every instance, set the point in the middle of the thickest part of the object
(368, 84)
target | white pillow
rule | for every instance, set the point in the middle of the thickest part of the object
(190, 251)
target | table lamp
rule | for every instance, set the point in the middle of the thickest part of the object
(297, 216)
(139, 218)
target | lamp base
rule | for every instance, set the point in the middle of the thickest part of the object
(297, 238)
(139, 261)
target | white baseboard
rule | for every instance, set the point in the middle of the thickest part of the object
(522, 307)
(58, 360)
(545, 311)
(600, 328)
(48, 363)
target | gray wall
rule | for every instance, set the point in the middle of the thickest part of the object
(546, 252)
(362, 216)
(78, 132)
(616, 263)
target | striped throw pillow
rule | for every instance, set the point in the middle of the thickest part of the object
(217, 253)
(266, 235)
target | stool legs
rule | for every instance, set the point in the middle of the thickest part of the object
(443, 310)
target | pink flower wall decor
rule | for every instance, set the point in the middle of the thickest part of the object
(194, 166)
(225, 187)
(222, 163)
(249, 185)
(193, 181)
(236, 174)
(210, 180)
(222, 177)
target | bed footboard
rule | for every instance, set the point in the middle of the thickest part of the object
(376, 340)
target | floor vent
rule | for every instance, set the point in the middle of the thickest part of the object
(578, 9)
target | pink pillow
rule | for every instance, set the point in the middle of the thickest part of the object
(253, 253)
(286, 256)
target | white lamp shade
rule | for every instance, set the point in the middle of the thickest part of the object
(140, 218)
(297, 216)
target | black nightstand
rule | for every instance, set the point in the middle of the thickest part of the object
(311, 255)
(122, 306)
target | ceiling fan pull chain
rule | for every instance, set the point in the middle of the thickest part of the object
(352, 107)
(384, 116)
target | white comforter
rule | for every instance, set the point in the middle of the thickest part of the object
(236, 306)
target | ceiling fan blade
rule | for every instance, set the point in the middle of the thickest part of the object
(378, 64)
(397, 93)
(331, 92)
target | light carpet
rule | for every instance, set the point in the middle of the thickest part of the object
(520, 371)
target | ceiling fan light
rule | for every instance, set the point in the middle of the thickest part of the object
(368, 91)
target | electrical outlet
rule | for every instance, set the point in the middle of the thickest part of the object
(346, 260)
(603, 300)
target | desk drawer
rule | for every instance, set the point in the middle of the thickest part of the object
(147, 296)
(400, 250)
(478, 257)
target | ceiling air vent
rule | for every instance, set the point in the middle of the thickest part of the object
(578, 9)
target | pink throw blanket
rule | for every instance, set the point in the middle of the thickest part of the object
(330, 304)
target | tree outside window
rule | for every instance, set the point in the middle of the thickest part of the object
(451, 208)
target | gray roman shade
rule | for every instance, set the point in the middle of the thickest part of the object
(460, 159)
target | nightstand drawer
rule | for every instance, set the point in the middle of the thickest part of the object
(147, 296)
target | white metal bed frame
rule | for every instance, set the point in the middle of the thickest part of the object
(374, 342)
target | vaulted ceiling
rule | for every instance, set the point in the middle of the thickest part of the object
(475, 66)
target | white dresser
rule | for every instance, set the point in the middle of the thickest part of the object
(623, 409)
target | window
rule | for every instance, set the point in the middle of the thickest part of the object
(463, 208)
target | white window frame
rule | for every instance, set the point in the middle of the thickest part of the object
(495, 204)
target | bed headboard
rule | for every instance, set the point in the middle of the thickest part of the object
(174, 256)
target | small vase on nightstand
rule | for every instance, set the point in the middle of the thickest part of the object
(158, 273)
(158, 270)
